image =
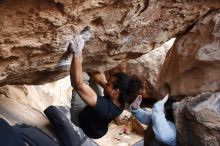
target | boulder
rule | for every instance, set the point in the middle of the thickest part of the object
(146, 68)
(26, 103)
(198, 120)
(35, 34)
(192, 65)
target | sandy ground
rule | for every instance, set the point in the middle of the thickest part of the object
(115, 137)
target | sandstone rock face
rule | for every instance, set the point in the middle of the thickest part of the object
(22, 103)
(146, 67)
(192, 65)
(198, 120)
(34, 34)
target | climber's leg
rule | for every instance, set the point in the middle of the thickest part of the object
(70, 134)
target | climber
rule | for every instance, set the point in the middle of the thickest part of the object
(162, 123)
(93, 119)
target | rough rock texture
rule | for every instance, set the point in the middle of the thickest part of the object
(198, 120)
(146, 67)
(34, 34)
(192, 65)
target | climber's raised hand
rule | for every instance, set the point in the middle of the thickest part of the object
(77, 44)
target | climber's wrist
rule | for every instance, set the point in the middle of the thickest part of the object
(77, 54)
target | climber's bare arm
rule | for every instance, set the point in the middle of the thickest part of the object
(87, 94)
(99, 78)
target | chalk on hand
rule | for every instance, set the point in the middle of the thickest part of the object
(86, 33)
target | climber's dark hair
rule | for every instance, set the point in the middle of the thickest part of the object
(135, 87)
(129, 87)
(168, 109)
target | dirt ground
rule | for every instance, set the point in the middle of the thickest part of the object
(116, 137)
